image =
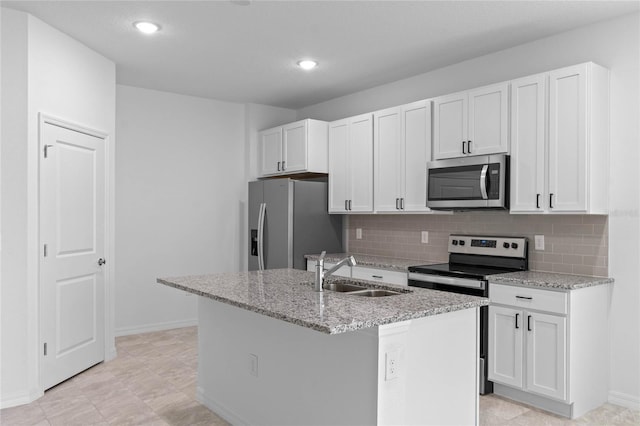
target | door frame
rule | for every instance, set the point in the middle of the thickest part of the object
(109, 232)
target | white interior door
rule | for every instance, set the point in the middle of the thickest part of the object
(72, 233)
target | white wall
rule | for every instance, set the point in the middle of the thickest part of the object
(67, 80)
(615, 45)
(180, 201)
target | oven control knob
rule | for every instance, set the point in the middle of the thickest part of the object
(505, 245)
(514, 245)
(461, 242)
(454, 242)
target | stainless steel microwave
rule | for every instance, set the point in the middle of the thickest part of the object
(478, 182)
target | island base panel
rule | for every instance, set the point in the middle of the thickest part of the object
(255, 369)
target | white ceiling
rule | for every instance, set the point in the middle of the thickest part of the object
(225, 51)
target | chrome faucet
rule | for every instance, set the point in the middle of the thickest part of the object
(321, 274)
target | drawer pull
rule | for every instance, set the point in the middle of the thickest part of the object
(517, 315)
(529, 322)
(524, 297)
(377, 276)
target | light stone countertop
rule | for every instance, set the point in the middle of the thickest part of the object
(288, 295)
(367, 260)
(549, 280)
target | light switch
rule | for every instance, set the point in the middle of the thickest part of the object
(539, 242)
(358, 233)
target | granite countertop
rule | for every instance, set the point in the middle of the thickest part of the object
(288, 295)
(373, 261)
(549, 280)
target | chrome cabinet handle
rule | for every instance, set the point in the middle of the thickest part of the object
(377, 276)
(101, 261)
(524, 297)
(517, 315)
(397, 203)
(537, 201)
(529, 323)
(283, 169)
(401, 203)
(346, 205)
(463, 142)
(551, 200)
(349, 205)
(468, 147)
(278, 166)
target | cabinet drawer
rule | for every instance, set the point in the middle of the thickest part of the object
(529, 298)
(381, 275)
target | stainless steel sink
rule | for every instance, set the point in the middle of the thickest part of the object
(342, 287)
(374, 293)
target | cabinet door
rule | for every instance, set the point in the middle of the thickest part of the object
(528, 144)
(567, 139)
(338, 165)
(449, 125)
(271, 151)
(505, 345)
(360, 163)
(294, 138)
(546, 354)
(488, 118)
(388, 159)
(416, 135)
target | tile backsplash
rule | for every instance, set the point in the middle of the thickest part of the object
(574, 244)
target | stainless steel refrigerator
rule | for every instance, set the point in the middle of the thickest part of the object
(288, 219)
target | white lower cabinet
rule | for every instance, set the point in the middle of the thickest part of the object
(548, 348)
(381, 275)
(545, 339)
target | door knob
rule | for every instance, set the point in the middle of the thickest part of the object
(101, 262)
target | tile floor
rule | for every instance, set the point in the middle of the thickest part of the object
(153, 381)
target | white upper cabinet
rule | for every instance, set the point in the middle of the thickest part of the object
(351, 165)
(528, 99)
(271, 150)
(474, 122)
(559, 164)
(402, 148)
(298, 147)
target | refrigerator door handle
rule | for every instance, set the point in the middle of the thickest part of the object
(263, 208)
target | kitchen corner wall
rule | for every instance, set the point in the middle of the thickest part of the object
(180, 182)
(574, 244)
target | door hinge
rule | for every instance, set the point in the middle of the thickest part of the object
(45, 251)
(46, 150)
(45, 349)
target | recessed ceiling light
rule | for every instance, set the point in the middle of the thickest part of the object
(307, 64)
(146, 27)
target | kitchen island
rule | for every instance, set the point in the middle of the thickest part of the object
(274, 351)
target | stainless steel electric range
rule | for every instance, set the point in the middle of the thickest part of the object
(472, 260)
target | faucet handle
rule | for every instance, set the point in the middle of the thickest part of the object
(324, 252)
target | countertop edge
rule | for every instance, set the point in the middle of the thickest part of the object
(343, 328)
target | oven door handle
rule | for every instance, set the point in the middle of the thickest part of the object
(456, 282)
(483, 182)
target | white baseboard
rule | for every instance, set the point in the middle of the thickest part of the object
(159, 326)
(19, 398)
(212, 405)
(625, 400)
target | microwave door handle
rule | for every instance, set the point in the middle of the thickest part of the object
(483, 182)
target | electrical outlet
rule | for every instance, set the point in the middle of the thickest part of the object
(392, 365)
(539, 242)
(358, 233)
(253, 365)
(425, 237)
